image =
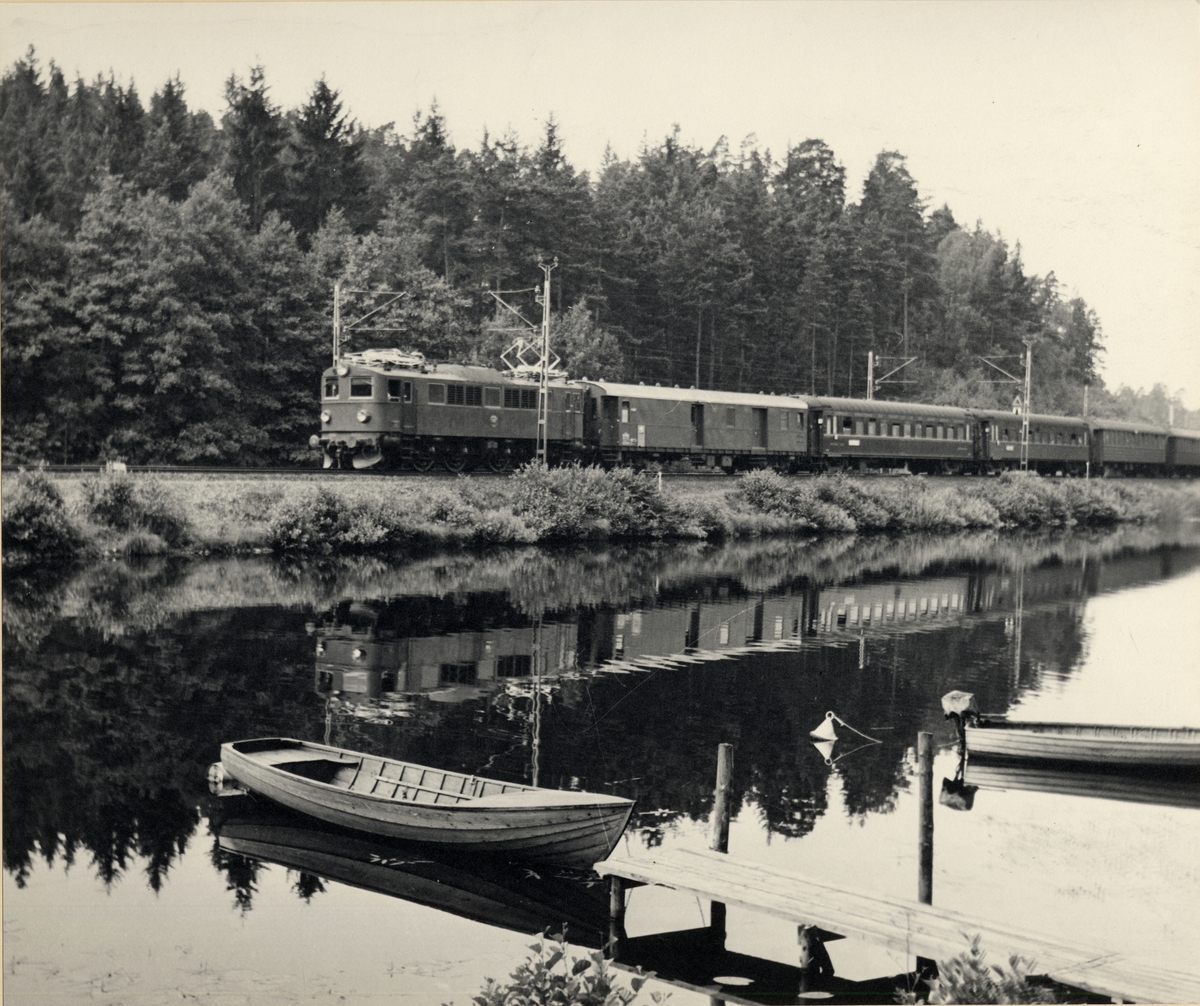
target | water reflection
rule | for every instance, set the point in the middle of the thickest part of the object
(618, 670)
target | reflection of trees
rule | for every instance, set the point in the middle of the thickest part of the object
(107, 739)
(121, 681)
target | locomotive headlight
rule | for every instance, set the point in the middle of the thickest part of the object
(363, 417)
(342, 370)
(325, 417)
(359, 653)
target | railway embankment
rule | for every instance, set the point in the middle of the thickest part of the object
(49, 521)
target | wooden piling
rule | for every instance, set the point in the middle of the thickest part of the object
(616, 916)
(719, 828)
(925, 799)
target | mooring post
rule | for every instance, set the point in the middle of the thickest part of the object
(925, 768)
(719, 834)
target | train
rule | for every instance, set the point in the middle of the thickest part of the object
(386, 408)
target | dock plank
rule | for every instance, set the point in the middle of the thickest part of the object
(903, 926)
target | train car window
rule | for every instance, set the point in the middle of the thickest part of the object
(491, 397)
(360, 387)
(519, 665)
(454, 394)
(908, 429)
(928, 432)
(331, 387)
(871, 427)
(407, 396)
(895, 429)
(799, 420)
(941, 433)
(393, 390)
(847, 424)
(731, 416)
(829, 425)
(437, 394)
(473, 395)
(624, 412)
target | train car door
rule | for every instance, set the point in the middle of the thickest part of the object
(610, 432)
(401, 390)
(813, 425)
(982, 437)
(760, 428)
(698, 424)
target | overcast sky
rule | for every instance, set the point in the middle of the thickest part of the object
(1073, 128)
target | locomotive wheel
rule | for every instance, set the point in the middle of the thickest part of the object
(497, 461)
(421, 462)
(454, 461)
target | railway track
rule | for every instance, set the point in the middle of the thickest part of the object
(342, 473)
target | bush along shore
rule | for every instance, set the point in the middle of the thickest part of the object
(49, 522)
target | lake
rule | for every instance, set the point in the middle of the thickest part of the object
(612, 669)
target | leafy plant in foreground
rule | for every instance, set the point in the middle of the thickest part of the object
(966, 978)
(580, 981)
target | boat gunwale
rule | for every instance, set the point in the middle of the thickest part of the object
(606, 802)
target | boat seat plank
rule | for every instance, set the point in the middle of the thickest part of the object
(903, 926)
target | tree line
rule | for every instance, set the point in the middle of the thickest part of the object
(167, 279)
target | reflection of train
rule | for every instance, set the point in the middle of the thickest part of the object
(385, 650)
(387, 405)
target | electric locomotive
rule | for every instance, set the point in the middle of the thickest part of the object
(384, 406)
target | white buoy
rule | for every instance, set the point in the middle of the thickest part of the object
(825, 730)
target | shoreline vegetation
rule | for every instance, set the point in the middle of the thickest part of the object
(49, 521)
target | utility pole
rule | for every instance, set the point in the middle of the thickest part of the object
(337, 320)
(1025, 409)
(1027, 384)
(544, 389)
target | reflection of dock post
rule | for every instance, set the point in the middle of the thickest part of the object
(616, 916)
(925, 770)
(719, 834)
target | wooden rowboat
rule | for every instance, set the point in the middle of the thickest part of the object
(421, 804)
(994, 737)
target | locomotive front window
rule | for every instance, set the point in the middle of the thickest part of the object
(491, 397)
(394, 389)
(437, 394)
(331, 387)
(361, 387)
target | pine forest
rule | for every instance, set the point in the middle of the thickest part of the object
(167, 279)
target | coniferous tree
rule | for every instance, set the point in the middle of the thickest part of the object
(254, 133)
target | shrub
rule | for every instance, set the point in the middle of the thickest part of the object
(125, 503)
(580, 981)
(967, 979)
(800, 500)
(36, 527)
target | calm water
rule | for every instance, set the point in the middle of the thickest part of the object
(617, 670)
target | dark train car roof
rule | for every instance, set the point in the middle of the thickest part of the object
(1100, 423)
(880, 407)
(697, 395)
(1041, 419)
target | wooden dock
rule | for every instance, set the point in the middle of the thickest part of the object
(907, 927)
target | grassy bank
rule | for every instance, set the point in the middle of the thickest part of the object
(48, 521)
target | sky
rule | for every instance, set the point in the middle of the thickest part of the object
(1070, 128)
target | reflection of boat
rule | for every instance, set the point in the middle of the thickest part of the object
(483, 888)
(1086, 743)
(417, 803)
(1169, 789)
